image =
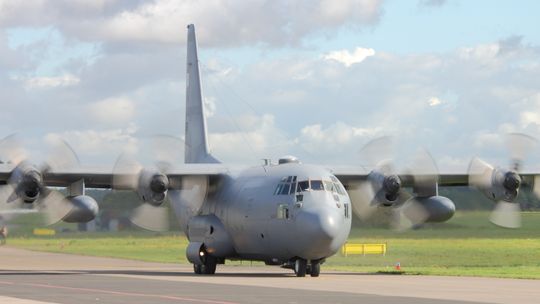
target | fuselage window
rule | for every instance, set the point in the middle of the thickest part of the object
(317, 185)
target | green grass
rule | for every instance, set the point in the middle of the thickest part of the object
(468, 245)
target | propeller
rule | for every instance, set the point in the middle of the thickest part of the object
(425, 175)
(26, 189)
(383, 186)
(152, 184)
(502, 185)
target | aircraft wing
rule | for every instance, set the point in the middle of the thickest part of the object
(102, 177)
(349, 175)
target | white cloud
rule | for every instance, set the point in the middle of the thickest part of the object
(434, 101)
(531, 112)
(338, 143)
(209, 106)
(113, 110)
(52, 82)
(349, 58)
(483, 53)
(91, 145)
(271, 22)
(259, 139)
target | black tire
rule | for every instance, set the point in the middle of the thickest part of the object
(300, 268)
(197, 268)
(209, 267)
(315, 269)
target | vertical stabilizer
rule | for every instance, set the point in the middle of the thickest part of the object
(196, 136)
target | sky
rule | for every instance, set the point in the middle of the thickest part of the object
(316, 79)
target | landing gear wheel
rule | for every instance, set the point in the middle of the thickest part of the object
(315, 269)
(300, 267)
(197, 268)
(209, 266)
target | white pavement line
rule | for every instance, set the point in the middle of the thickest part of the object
(11, 300)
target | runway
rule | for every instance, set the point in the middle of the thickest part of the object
(28, 277)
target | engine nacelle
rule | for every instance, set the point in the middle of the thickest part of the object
(27, 181)
(84, 209)
(504, 186)
(435, 209)
(386, 187)
(153, 187)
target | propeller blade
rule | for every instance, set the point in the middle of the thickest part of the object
(362, 200)
(518, 146)
(424, 170)
(54, 205)
(61, 156)
(536, 185)
(480, 173)
(154, 218)
(166, 151)
(378, 151)
(507, 215)
(191, 196)
(126, 172)
(410, 215)
(11, 150)
(8, 198)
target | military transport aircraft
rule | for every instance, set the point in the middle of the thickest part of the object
(289, 214)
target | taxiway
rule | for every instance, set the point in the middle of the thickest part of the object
(28, 277)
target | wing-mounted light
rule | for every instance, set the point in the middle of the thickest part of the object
(26, 188)
(503, 185)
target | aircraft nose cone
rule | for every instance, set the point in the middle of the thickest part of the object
(318, 224)
(319, 233)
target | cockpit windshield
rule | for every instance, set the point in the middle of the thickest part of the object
(302, 186)
(288, 186)
(317, 185)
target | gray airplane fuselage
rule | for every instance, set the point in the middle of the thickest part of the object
(273, 213)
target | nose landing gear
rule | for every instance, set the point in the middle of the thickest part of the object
(301, 267)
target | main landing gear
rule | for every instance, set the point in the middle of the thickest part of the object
(209, 266)
(302, 267)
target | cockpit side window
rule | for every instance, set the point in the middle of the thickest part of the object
(286, 186)
(339, 188)
(285, 189)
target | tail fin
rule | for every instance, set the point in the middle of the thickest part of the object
(196, 148)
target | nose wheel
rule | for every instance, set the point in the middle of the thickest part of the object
(300, 267)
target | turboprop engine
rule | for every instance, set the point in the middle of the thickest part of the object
(502, 185)
(27, 188)
(383, 188)
(152, 186)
